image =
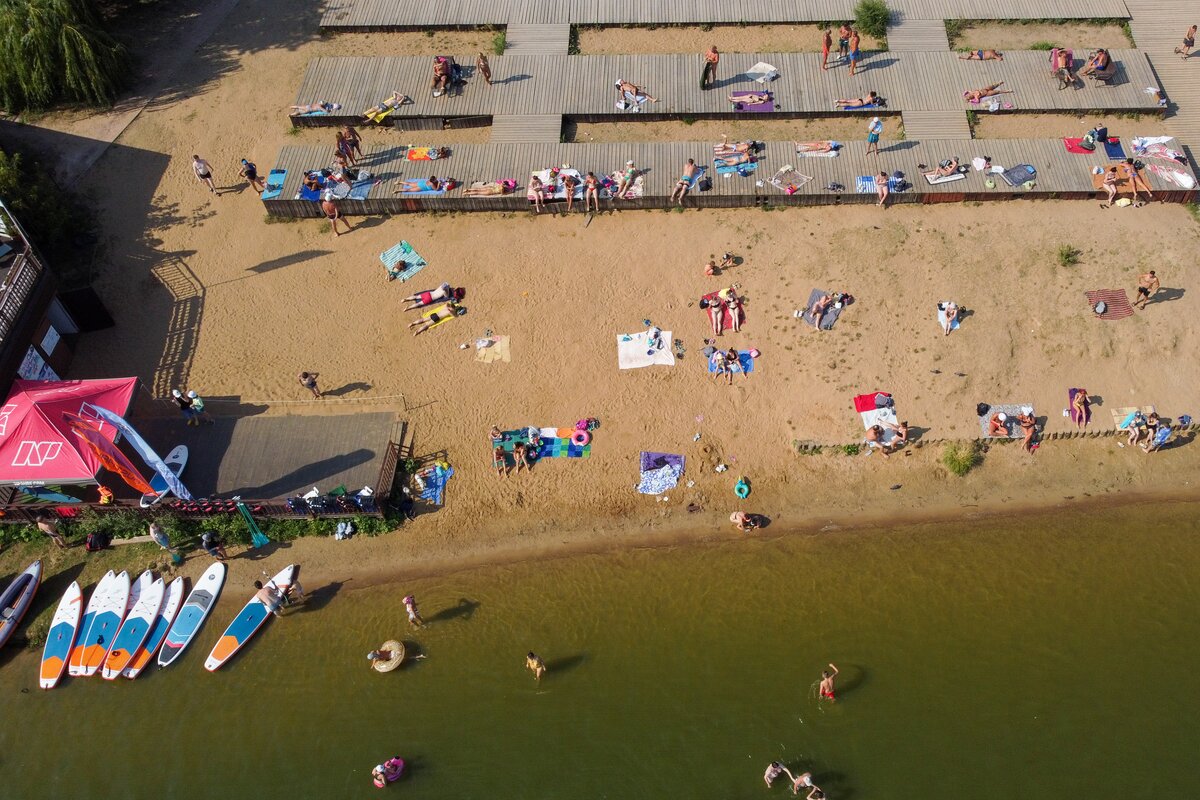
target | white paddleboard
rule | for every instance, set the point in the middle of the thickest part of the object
(195, 610)
(136, 627)
(172, 600)
(248, 622)
(176, 460)
(63, 628)
(106, 609)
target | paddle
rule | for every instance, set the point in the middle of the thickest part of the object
(257, 537)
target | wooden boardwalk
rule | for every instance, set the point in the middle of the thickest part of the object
(936, 125)
(582, 86)
(1158, 27)
(1060, 174)
(348, 15)
(537, 40)
(907, 34)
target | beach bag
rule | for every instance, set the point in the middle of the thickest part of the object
(705, 184)
(96, 542)
(1088, 142)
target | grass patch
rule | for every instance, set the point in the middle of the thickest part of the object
(688, 120)
(851, 449)
(1194, 210)
(271, 219)
(499, 43)
(954, 30)
(573, 41)
(1042, 46)
(972, 120)
(961, 458)
(293, 131)
(1067, 255)
(871, 17)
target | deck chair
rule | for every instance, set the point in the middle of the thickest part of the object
(1106, 75)
(1067, 77)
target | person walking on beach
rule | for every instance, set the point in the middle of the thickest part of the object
(534, 664)
(1189, 41)
(826, 44)
(198, 412)
(873, 132)
(708, 76)
(410, 608)
(826, 688)
(204, 173)
(329, 208)
(483, 68)
(249, 171)
(853, 50)
(309, 381)
(50, 528)
(1147, 285)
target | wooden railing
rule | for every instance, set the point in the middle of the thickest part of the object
(22, 279)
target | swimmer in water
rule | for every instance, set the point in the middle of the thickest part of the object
(773, 771)
(414, 616)
(827, 683)
(802, 781)
(534, 664)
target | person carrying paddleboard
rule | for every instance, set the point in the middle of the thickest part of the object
(269, 596)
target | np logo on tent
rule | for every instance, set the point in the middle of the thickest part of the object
(36, 454)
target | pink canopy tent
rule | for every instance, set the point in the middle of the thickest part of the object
(37, 446)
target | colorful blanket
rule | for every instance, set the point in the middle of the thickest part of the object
(555, 443)
(435, 483)
(745, 362)
(659, 472)
(721, 308)
(865, 184)
(402, 253)
(1116, 300)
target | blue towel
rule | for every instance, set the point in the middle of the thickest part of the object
(424, 184)
(744, 359)
(696, 178)
(361, 188)
(729, 169)
(402, 253)
(865, 184)
(309, 194)
(274, 184)
(435, 484)
(1114, 150)
(860, 108)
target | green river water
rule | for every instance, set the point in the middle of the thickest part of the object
(1047, 656)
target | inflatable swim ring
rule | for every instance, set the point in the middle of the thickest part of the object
(397, 651)
(392, 769)
(581, 437)
(742, 488)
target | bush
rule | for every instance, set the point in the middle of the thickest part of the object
(961, 459)
(871, 17)
(499, 43)
(1042, 46)
(1068, 256)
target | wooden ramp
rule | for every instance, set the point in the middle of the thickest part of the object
(936, 125)
(537, 40)
(527, 128)
(1158, 27)
(909, 34)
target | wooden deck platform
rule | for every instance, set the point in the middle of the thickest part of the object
(1060, 174)
(351, 15)
(582, 86)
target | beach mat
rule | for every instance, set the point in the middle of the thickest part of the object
(422, 154)
(744, 361)
(659, 472)
(1087, 409)
(635, 191)
(1112, 148)
(362, 187)
(653, 460)
(865, 184)
(633, 351)
(425, 188)
(398, 254)
(867, 107)
(1124, 415)
(934, 180)
(742, 169)
(802, 150)
(830, 316)
(740, 106)
(275, 179)
(1011, 425)
(727, 319)
(878, 416)
(556, 190)
(941, 318)
(1116, 300)
(500, 350)
(556, 443)
(1019, 174)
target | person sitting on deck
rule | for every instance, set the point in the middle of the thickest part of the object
(312, 180)
(982, 55)
(944, 169)
(685, 180)
(1097, 62)
(320, 106)
(975, 95)
(391, 104)
(1061, 62)
(871, 99)
(441, 75)
(632, 92)
(627, 176)
(535, 192)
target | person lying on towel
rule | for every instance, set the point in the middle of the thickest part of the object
(814, 147)
(726, 149)
(636, 93)
(751, 98)
(944, 169)
(871, 99)
(391, 104)
(418, 186)
(320, 106)
(443, 292)
(440, 314)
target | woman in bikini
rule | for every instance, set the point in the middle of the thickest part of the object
(591, 191)
(1080, 408)
(321, 105)
(950, 314)
(570, 184)
(1028, 425)
(975, 95)
(871, 99)
(484, 68)
(344, 147)
(536, 193)
(752, 99)
(521, 456)
(626, 180)
(716, 314)
(500, 461)
(734, 303)
(982, 55)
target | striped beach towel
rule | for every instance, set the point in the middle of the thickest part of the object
(1116, 300)
(402, 254)
(865, 184)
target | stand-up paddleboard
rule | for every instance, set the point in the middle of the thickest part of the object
(15, 600)
(61, 637)
(103, 616)
(195, 610)
(176, 460)
(247, 622)
(134, 629)
(170, 607)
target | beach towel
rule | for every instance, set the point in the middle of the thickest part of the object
(1011, 426)
(828, 318)
(423, 183)
(865, 184)
(402, 254)
(1158, 150)
(505, 186)
(634, 192)
(555, 443)
(444, 313)
(817, 149)
(934, 179)
(362, 187)
(422, 153)
(721, 150)
(499, 350)
(743, 169)
(634, 351)
(659, 472)
(1075, 413)
(1015, 176)
(872, 412)
(435, 483)
(631, 102)
(1124, 415)
(788, 180)
(691, 182)
(739, 104)
(866, 107)
(274, 183)
(726, 319)
(1116, 300)
(1112, 147)
(762, 72)
(745, 362)
(1175, 176)
(941, 317)
(555, 190)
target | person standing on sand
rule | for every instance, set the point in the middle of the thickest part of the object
(329, 208)
(353, 139)
(1147, 285)
(50, 528)
(484, 68)
(708, 76)
(410, 608)
(249, 171)
(500, 461)
(873, 132)
(534, 664)
(826, 44)
(1189, 41)
(309, 381)
(826, 688)
(204, 173)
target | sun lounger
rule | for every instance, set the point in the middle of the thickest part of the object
(1019, 175)
(275, 180)
(751, 108)
(788, 180)
(1011, 426)
(402, 254)
(828, 318)
(1116, 300)
(745, 362)
(817, 149)
(872, 413)
(865, 184)
(934, 179)
(634, 350)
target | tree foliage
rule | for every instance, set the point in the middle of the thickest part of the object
(871, 18)
(57, 50)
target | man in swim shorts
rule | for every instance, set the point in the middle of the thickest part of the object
(204, 173)
(873, 132)
(269, 596)
(329, 208)
(685, 180)
(982, 55)
(853, 50)
(826, 688)
(1147, 285)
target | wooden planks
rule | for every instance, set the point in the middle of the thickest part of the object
(936, 125)
(909, 34)
(1158, 28)
(537, 40)
(527, 128)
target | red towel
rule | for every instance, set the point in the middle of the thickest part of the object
(866, 402)
(1116, 300)
(719, 307)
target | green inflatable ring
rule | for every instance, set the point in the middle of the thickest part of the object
(741, 488)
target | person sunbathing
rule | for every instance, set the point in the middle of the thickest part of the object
(751, 98)
(390, 104)
(489, 189)
(443, 292)
(443, 313)
(685, 180)
(441, 76)
(626, 182)
(975, 95)
(432, 185)
(944, 169)
(536, 193)
(570, 184)
(310, 108)
(998, 424)
(738, 158)
(874, 438)
(814, 147)
(635, 93)
(716, 315)
(1061, 68)
(730, 300)
(725, 148)
(1098, 62)
(1111, 179)
(871, 99)
(1028, 425)
(817, 310)
(950, 315)
(721, 366)
(734, 362)
(982, 55)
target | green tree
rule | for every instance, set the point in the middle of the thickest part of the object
(871, 18)
(57, 50)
